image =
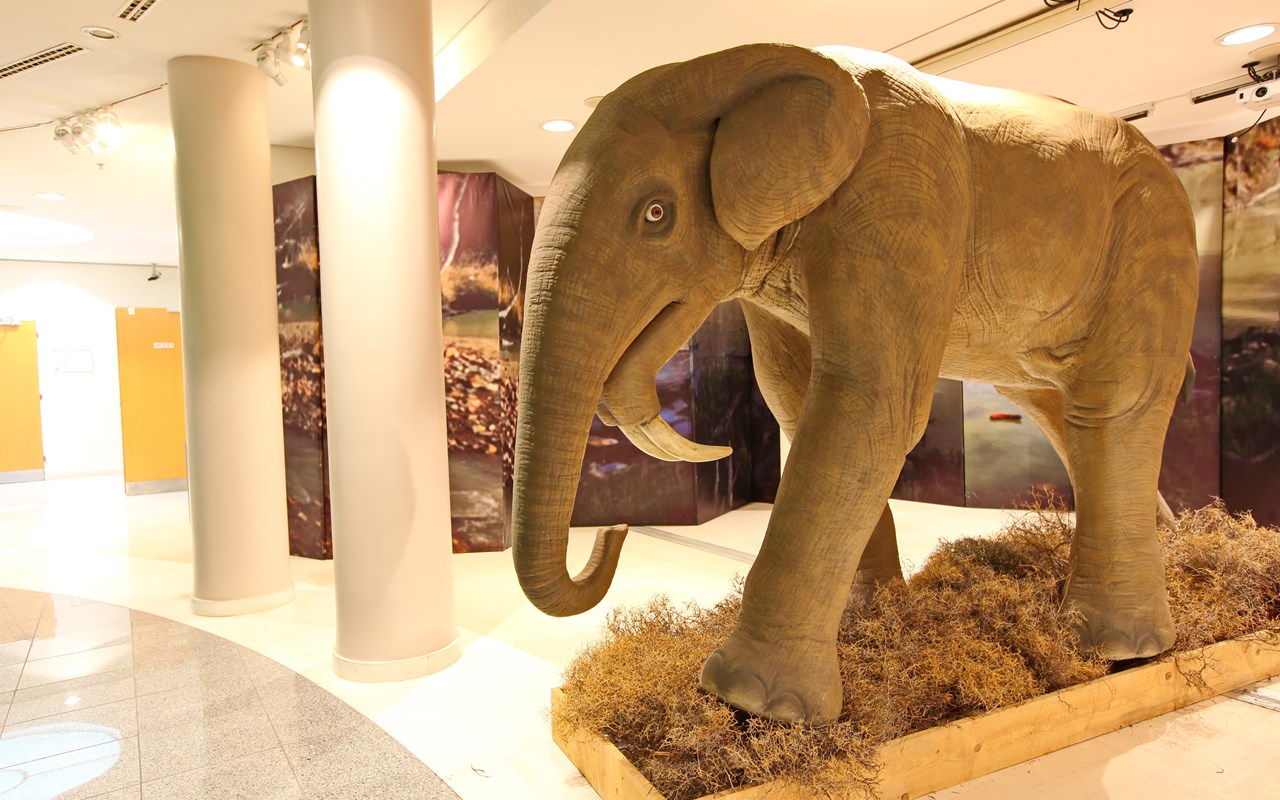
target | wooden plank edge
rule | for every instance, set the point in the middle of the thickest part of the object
(955, 752)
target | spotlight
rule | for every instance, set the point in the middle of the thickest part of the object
(281, 47)
(155, 273)
(95, 131)
(269, 65)
(107, 132)
(301, 56)
(82, 131)
(62, 133)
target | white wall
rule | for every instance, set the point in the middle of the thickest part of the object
(291, 163)
(73, 306)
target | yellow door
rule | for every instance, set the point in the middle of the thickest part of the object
(149, 344)
(21, 446)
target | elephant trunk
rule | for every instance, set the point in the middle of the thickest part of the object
(563, 366)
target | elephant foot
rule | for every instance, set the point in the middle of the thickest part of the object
(1135, 631)
(788, 681)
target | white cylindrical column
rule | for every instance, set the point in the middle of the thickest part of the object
(230, 336)
(384, 370)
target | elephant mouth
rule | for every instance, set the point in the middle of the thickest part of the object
(630, 397)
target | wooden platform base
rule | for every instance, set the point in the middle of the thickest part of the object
(939, 757)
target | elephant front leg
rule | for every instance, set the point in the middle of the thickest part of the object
(862, 413)
(780, 661)
(781, 357)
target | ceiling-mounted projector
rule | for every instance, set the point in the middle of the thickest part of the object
(1259, 95)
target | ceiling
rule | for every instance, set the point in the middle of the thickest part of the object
(512, 64)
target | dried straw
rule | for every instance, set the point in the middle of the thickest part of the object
(977, 628)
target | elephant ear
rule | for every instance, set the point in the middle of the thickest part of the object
(782, 150)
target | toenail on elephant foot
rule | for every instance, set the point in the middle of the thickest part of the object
(1118, 637)
(806, 698)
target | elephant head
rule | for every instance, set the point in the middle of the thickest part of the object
(658, 210)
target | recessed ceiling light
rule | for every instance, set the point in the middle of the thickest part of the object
(50, 196)
(99, 32)
(559, 125)
(22, 230)
(1245, 35)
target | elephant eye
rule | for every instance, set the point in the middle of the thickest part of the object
(656, 212)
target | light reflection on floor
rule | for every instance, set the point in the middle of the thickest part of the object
(46, 761)
(99, 701)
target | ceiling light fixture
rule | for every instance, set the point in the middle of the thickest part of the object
(96, 131)
(301, 56)
(559, 125)
(269, 64)
(1251, 33)
(291, 44)
(50, 196)
(99, 32)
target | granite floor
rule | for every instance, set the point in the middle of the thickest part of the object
(482, 724)
(100, 701)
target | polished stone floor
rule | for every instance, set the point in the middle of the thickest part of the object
(482, 724)
(100, 701)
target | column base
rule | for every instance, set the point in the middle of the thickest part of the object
(241, 605)
(401, 670)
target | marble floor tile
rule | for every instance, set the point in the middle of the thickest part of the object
(205, 742)
(117, 720)
(17, 629)
(66, 618)
(325, 764)
(14, 652)
(262, 670)
(214, 674)
(78, 641)
(127, 793)
(27, 606)
(81, 773)
(63, 696)
(400, 786)
(261, 776)
(9, 677)
(299, 709)
(76, 665)
(195, 701)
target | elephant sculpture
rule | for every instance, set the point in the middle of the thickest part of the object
(879, 227)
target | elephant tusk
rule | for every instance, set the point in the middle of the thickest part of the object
(678, 448)
(606, 416)
(641, 440)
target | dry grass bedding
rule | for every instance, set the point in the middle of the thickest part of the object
(978, 627)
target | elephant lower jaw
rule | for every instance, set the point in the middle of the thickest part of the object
(794, 681)
(658, 439)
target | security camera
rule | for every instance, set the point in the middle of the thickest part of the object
(155, 273)
(1259, 95)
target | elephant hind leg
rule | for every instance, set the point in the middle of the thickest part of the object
(1044, 407)
(1116, 577)
(880, 563)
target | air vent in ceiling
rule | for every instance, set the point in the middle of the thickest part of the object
(132, 10)
(55, 53)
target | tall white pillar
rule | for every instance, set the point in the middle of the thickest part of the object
(384, 372)
(230, 336)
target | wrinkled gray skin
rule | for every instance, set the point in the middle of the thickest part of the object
(880, 228)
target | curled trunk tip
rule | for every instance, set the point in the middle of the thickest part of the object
(562, 596)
